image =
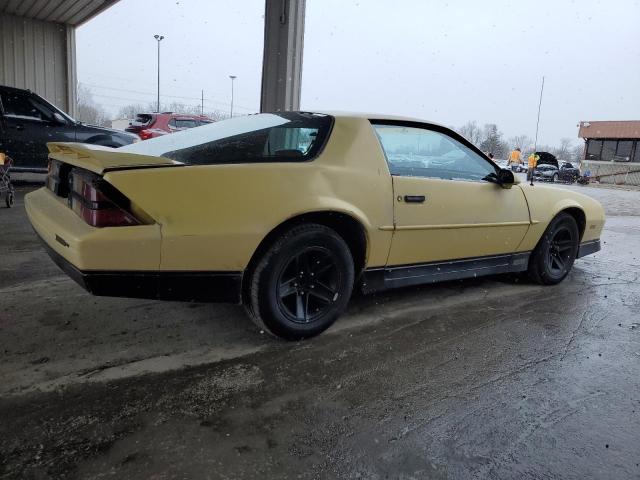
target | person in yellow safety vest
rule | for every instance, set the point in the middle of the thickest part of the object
(514, 159)
(533, 161)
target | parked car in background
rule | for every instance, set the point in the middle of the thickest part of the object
(547, 158)
(546, 173)
(28, 122)
(289, 212)
(568, 173)
(549, 173)
(151, 125)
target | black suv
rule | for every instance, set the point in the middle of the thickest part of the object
(28, 122)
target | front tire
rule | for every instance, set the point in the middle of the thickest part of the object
(553, 257)
(302, 283)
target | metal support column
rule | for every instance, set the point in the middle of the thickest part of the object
(282, 60)
(72, 77)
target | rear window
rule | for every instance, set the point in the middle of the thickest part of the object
(141, 120)
(268, 137)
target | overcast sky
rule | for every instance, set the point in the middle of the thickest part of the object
(445, 61)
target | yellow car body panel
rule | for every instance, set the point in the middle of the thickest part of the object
(451, 226)
(89, 248)
(213, 217)
(545, 202)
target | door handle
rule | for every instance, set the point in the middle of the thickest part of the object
(19, 127)
(414, 198)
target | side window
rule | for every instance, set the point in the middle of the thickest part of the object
(418, 152)
(292, 142)
(25, 106)
(172, 123)
(186, 123)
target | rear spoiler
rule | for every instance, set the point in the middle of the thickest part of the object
(99, 159)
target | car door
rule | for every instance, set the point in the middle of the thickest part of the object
(30, 124)
(443, 207)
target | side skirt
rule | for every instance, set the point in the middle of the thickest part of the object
(378, 279)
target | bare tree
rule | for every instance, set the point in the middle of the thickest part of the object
(88, 110)
(523, 142)
(577, 154)
(564, 150)
(472, 132)
(131, 110)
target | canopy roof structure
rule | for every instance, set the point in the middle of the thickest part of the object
(66, 12)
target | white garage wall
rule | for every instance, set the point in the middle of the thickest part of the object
(33, 55)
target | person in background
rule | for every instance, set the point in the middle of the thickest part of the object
(533, 161)
(515, 159)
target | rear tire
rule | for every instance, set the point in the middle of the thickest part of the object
(553, 257)
(555, 178)
(10, 198)
(302, 283)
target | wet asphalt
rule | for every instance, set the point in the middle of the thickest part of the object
(485, 378)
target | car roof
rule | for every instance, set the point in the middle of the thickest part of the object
(7, 87)
(375, 116)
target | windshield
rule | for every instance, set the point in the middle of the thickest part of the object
(282, 137)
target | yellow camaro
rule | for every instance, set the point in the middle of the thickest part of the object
(287, 213)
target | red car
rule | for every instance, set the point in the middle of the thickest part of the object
(150, 125)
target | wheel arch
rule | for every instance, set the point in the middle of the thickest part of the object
(347, 226)
(578, 215)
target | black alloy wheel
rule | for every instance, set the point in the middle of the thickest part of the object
(308, 284)
(556, 251)
(301, 283)
(560, 251)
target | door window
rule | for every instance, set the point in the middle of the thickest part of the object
(186, 123)
(419, 152)
(19, 105)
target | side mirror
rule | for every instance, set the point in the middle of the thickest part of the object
(59, 119)
(506, 179)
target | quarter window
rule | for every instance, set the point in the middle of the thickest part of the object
(419, 152)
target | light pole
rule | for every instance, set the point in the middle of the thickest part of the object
(158, 39)
(232, 77)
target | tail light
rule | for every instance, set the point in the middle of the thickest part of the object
(145, 134)
(98, 203)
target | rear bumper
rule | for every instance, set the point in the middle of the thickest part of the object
(587, 248)
(180, 286)
(120, 261)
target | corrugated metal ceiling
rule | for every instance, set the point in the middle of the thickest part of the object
(69, 12)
